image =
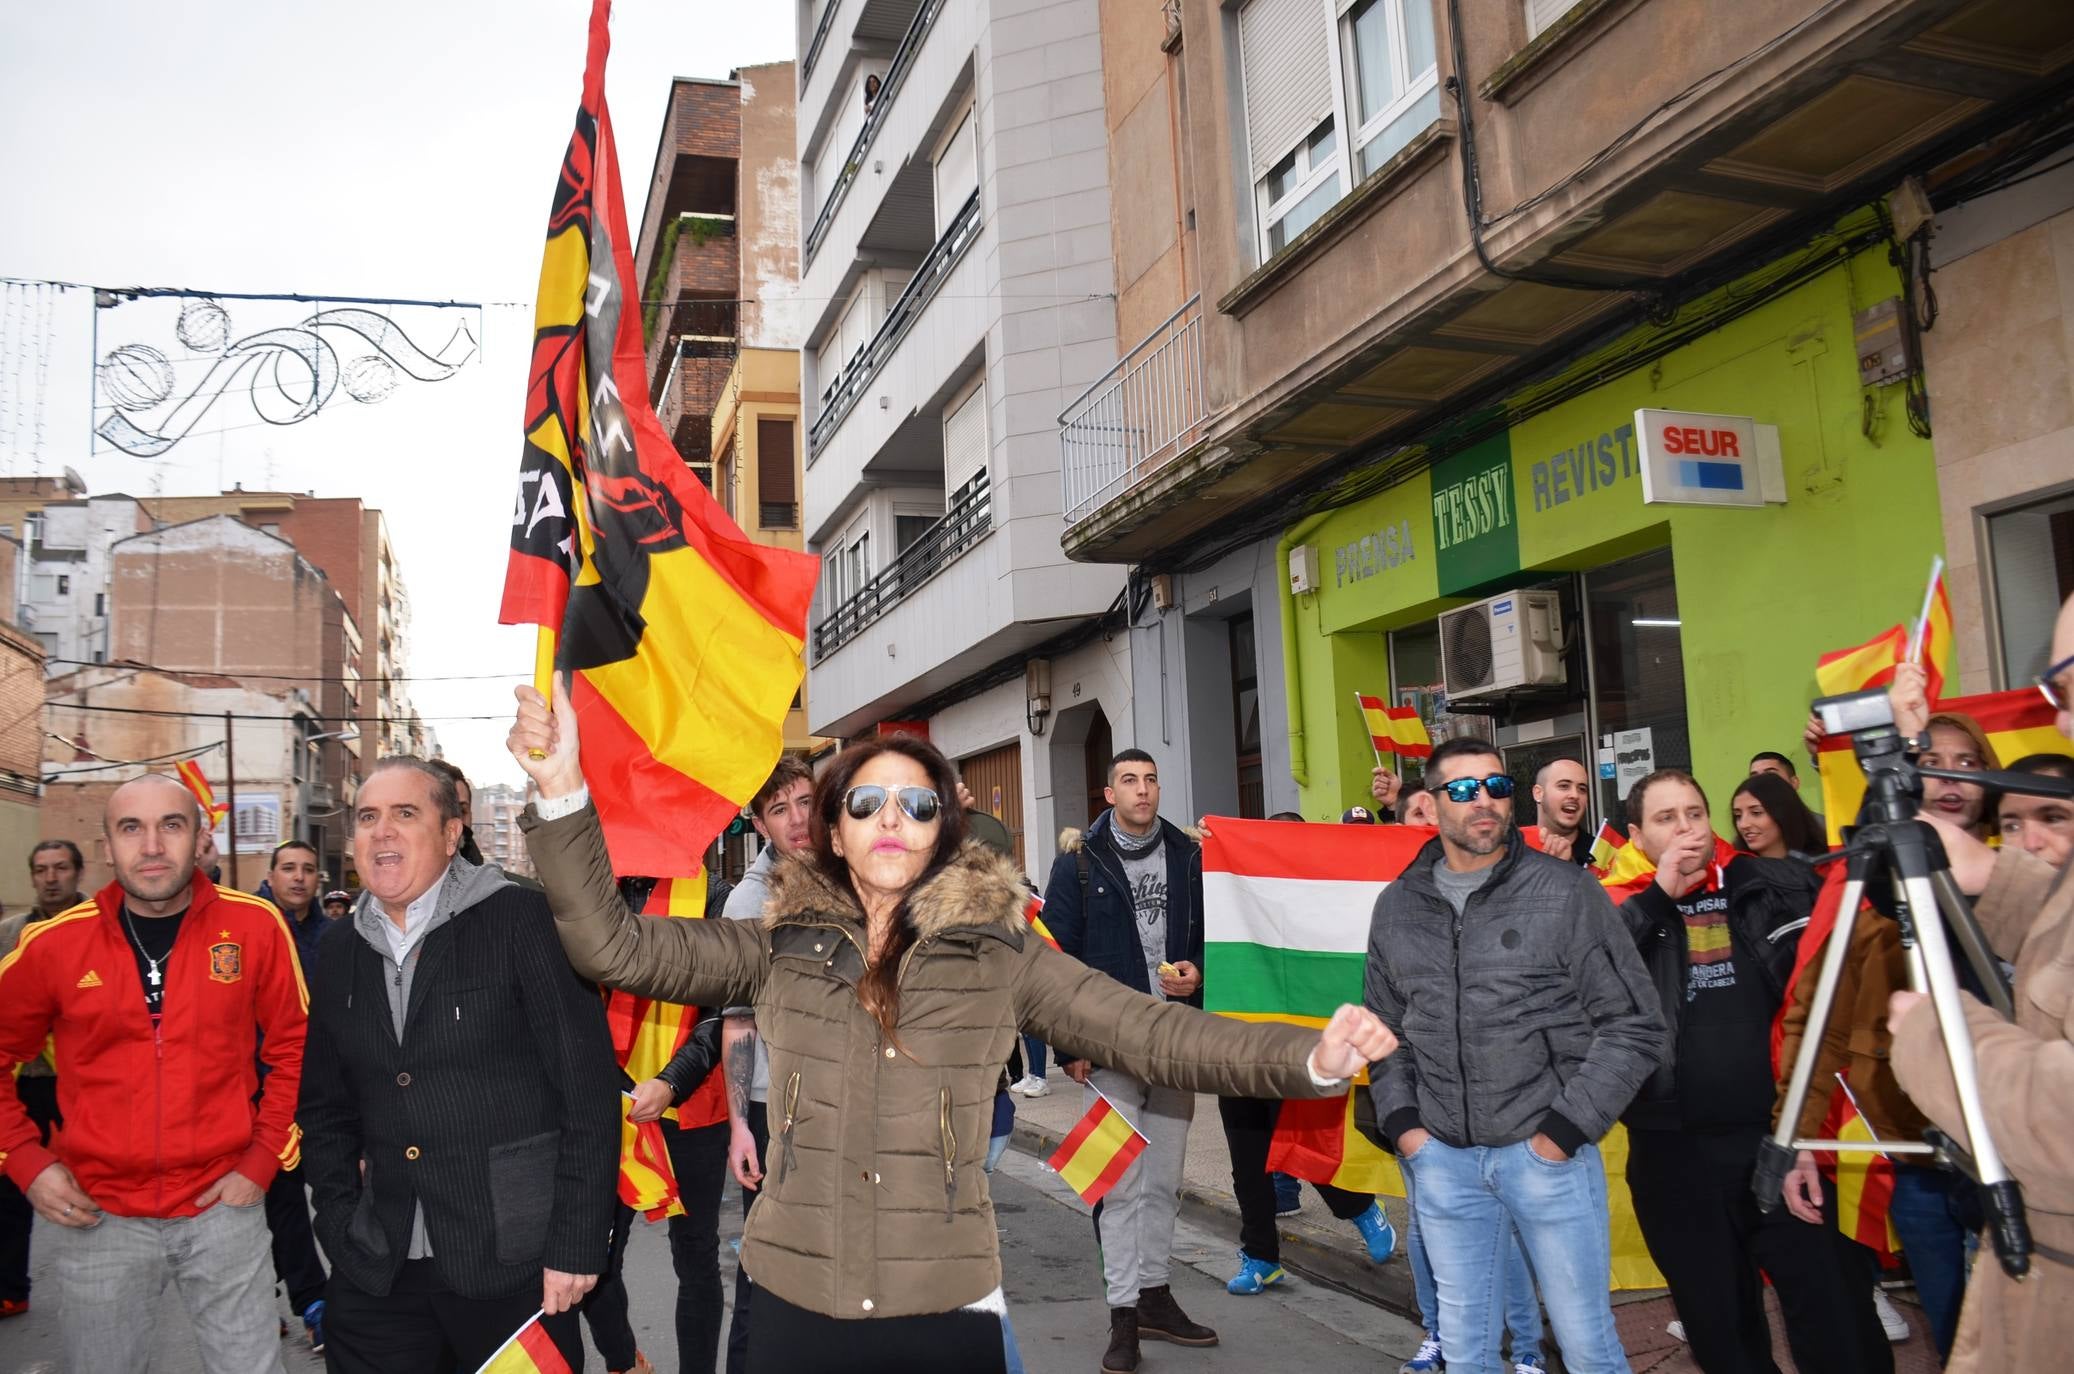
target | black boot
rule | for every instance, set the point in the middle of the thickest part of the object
(1160, 1318)
(1122, 1355)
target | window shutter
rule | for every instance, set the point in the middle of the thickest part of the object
(964, 442)
(777, 493)
(957, 174)
(1286, 70)
(1542, 13)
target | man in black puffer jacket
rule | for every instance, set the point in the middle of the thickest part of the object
(1528, 1023)
(1719, 931)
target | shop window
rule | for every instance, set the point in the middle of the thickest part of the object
(1638, 663)
(1245, 710)
(2031, 557)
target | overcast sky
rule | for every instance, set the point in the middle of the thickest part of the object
(391, 148)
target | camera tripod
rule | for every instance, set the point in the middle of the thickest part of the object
(1890, 843)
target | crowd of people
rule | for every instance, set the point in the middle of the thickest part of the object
(402, 1106)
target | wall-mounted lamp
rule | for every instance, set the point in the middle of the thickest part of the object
(1037, 690)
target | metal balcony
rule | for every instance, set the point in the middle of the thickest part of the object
(1137, 415)
(827, 21)
(935, 549)
(889, 88)
(856, 375)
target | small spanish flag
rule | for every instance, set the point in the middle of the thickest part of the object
(1034, 914)
(1395, 729)
(1935, 650)
(190, 771)
(1862, 666)
(529, 1351)
(1097, 1151)
(1611, 840)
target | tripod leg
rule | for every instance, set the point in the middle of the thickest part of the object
(1958, 913)
(1999, 1192)
(1776, 1156)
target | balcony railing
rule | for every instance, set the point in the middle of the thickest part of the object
(841, 395)
(806, 64)
(935, 549)
(1139, 414)
(889, 87)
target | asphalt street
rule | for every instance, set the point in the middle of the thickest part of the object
(1052, 1280)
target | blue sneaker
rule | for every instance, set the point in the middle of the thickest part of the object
(1426, 1359)
(1254, 1275)
(1375, 1228)
(1530, 1365)
(313, 1322)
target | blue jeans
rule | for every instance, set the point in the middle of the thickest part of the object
(1522, 1308)
(1014, 1356)
(1471, 1202)
(1033, 1056)
(1926, 1221)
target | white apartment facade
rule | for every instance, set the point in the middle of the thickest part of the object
(957, 281)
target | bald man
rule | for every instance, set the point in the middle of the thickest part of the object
(156, 996)
(1562, 803)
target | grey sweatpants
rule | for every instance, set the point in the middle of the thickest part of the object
(1137, 1222)
(110, 1277)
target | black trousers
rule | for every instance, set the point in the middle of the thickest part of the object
(699, 1159)
(738, 1329)
(792, 1340)
(424, 1327)
(17, 1218)
(296, 1265)
(1692, 1197)
(605, 1306)
(1249, 1126)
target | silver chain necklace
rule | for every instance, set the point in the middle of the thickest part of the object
(142, 953)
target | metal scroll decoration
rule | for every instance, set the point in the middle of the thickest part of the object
(149, 399)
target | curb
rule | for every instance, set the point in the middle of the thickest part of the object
(1314, 1253)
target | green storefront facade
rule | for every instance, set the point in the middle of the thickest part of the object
(1699, 624)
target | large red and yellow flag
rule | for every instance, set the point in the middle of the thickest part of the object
(682, 637)
(190, 771)
(2016, 722)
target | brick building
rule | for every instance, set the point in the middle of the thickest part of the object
(495, 819)
(21, 756)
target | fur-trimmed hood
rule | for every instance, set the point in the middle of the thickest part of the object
(979, 889)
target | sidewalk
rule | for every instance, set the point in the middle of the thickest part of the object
(1325, 1250)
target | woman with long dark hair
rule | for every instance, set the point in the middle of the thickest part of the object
(1772, 821)
(890, 973)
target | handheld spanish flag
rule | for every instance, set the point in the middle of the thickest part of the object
(529, 1351)
(1097, 1151)
(1394, 729)
(1931, 645)
(1034, 914)
(682, 637)
(647, 1183)
(1607, 846)
(190, 771)
(1862, 666)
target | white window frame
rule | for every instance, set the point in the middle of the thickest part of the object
(1412, 90)
(1541, 18)
(966, 126)
(1311, 178)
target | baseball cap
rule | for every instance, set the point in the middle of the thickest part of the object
(1357, 815)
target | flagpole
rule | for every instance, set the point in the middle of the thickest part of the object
(1915, 641)
(544, 675)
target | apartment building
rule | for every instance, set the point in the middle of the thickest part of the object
(497, 833)
(957, 284)
(216, 596)
(99, 717)
(21, 756)
(1417, 295)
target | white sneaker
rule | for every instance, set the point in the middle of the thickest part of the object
(1029, 1085)
(1891, 1321)
(1676, 1330)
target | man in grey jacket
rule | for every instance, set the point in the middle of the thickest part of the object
(1530, 1023)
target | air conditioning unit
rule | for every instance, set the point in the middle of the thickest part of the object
(1501, 645)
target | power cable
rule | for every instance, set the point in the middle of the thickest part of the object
(291, 677)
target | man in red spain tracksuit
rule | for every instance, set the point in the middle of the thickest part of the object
(155, 995)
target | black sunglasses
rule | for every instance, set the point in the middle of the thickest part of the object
(921, 805)
(1462, 791)
(2049, 684)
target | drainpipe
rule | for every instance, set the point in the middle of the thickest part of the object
(1292, 673)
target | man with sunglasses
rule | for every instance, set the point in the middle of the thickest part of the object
(1530, 1023)
(1126, 898)
(2026, 1072)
